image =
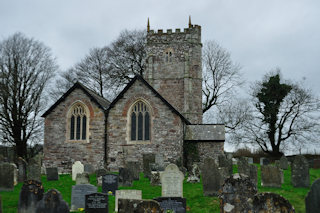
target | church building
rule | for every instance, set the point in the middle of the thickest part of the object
(156, 113)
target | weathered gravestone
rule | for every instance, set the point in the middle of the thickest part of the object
(110, 183)
(22, 170)
(30, 195)
(96, 203)
(52, 202)
(194, 174)
(138, 206)
(243, 166)
(312, 199)
(147, 159)
(172, 182)
(300, 172)
(99, 174)
(7, 173)
(77, 168)
(78, 194)
(212, 177)
(175, 204)
(125, 177)
(271, 176)
(82, 178)
(52, 174)
(127, 194)
(134, 168)
(264, 161)
(235, 192)
(250, 160)
(155, 178)
(88, 168)
(270, 203)
(253, 175)
(34, 169)
(225, 162)
(283, 163)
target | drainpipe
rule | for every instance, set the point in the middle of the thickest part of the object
(105, 136)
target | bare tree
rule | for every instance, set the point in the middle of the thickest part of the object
(220, 75)
(26, 66)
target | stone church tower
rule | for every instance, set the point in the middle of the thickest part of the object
(174, 68)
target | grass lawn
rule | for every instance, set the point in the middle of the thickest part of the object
(196, 202)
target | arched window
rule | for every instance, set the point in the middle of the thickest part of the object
(78, 123)
(140, 122)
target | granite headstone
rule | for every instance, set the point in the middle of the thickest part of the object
(52, 173)
(78, 194)
(110, 183)
(96, 203)
(175, 204)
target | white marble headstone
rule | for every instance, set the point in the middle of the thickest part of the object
(127, 194)
(172, 181)
(77, 168)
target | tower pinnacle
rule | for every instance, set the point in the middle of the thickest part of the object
(148, 25)
(190, 25)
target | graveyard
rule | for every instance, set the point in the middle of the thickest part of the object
(193, 193)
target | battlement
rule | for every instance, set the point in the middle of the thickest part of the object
(192, 29)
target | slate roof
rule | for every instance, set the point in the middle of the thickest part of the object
(205, 132)
(100, 101)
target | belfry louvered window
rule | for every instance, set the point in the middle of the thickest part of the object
(140, 122)
(78, 123)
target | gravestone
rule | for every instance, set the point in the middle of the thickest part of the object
(127, 194)
(138, 206)
(270, 202)
(225, 162)
(176, 204)
(155, 178)
(82, 178)
(52, 202)
(235, 192)
(125, 177)
(134, 168)
(243, 166)
(30, 195)
(147, 159)
(77, 168)
(312, 199)
(109, 183)
(78, 194)
(264, 161)
(88, 168)
(172, 182)
(34, 169)
(52, 174)
(253, 175)
(15, 174)
(300, 172)
(22, 170)
(250, 160)
(212, 177)
(96, 203)
(271, 176)
(316, 163)
(194, 174)
(283, 163)
(7, 171)
(99, 174)
(158, 159)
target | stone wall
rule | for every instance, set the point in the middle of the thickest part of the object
(210, 150)
(166, 129)
(61, 152)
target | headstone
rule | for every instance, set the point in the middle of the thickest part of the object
(270, 202)
(283, 163)
(110, 183)
(175, 204)
(52, 202)
(77, 167)
(7, 171)
(134, 168)
(99, 174)
(172, 182)
(30, 195)
(264, 161)
(138, 206)
(52, 174)
(158, 159)
(147, 159)
(250, 160)
(194, 174)
(78, 194)
(271, 176)
(312, 199)
(88, 168)
(22, 170)
(15, 174)
(243, 166)
(155, 178)
(125, 177)
(316, 163)
(127, 194)
(235, 192)
(253, 175)
(96, 203)
(34, 169)
(212, 177)
(225, 162)
(82, 178)
(300, 172)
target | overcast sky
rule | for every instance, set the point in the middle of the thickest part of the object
(259, 34)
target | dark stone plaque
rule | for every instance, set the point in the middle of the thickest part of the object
(177, 204)
(30, 195)
(52, 174)
(97, 203)
(78, 195)
(109, 183)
